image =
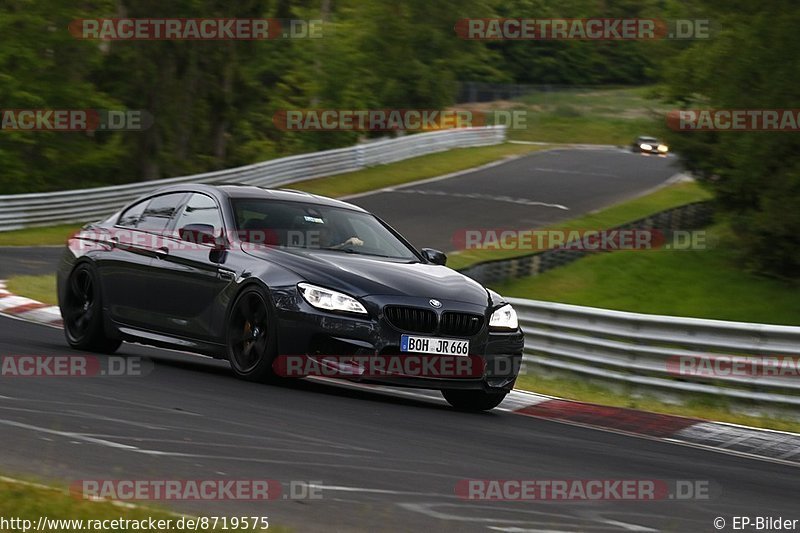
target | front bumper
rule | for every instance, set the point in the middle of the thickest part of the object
(305, 330)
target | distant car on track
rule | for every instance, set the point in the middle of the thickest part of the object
(649, 145)
(250, 274)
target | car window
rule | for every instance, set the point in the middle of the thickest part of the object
(159, 212)
(313, 226)
(201, 209)
(130, 218)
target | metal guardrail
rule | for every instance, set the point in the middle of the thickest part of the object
(646, 350)
(43, 209)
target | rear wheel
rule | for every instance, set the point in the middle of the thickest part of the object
(82, 311)
(473, 400)
(251, 338)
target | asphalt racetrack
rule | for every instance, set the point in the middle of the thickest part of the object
(537, 190)
(383, 461)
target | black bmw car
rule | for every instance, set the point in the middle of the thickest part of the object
(255, 275)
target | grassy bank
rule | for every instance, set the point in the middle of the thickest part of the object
(40, 288)
(30, 501)
(701, 283)
(49, 235)
(584, 115)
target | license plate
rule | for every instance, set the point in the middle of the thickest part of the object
(434, 345)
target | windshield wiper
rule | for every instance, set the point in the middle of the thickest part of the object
(351, 250)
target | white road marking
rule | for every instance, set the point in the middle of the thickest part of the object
(78, 414)
(339, 488)
(222, 445)
(459, 173)
(481, 196)
(547, 519)
(68, 434)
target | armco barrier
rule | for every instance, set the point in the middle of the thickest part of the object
(643, 350)
(44, 209)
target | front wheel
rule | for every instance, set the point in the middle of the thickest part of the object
(82, 311)
(473, 400)
(251, 336)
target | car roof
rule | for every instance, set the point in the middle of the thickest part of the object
(235, 190)
(646, 138)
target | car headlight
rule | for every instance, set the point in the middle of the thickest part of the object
(504, 318)
(329, 300)
(663, 148)
(645, 147)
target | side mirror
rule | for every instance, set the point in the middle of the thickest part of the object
(434, 256)
(198, 234)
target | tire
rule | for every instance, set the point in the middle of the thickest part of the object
(82, 312)
(251, 336)
(473, 400)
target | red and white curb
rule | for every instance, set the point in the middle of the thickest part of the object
(778, 446)
(27, 309)
(755, 443)
(765, 444)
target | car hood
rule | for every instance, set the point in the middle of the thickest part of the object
(362, 275)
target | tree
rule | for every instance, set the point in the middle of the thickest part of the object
(750, 64)
(43, 67)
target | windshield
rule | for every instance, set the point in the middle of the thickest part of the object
(318, 227)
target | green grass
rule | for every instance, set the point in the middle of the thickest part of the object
(340, 185)
(49, 235)
(700, 283)
(664, 198)
(589, 130)
(30, 502)
(694, 405)
(598, 116)
(40, 288)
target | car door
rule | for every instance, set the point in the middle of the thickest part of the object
(125, 268)
(186, 275)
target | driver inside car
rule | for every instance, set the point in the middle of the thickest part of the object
(328, 239)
